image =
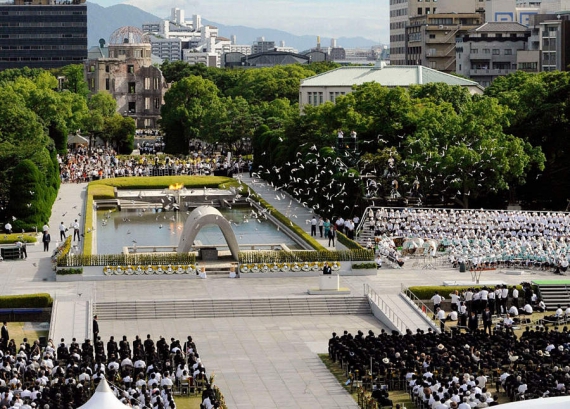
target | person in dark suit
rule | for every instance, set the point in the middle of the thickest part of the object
(46, 238)
(327, 269)
(473, 322)
(95, 328)
(5, 336)
(487, 320)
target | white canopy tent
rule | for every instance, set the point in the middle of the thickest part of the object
(559, 402)
(103, 398)
(77, 139)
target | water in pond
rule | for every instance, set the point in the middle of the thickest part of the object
(118, 229)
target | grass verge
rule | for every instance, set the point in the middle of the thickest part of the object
(14, 237)
(400, 397)
(188, 402)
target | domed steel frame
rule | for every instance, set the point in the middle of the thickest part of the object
(132, 35)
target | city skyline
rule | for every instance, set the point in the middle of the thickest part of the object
(327, 18)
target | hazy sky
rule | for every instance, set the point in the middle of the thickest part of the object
(328, 18)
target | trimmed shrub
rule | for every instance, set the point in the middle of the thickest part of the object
(362, 266)
(348, 243)
(40, 300)
(426, 292)
(29, 201)
(14, 237)
(69, 271)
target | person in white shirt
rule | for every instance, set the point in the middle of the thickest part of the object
(436, 299)
(455, 300)
(567, 312)
(514, 311)
(541, 306)
(442, 317)
(526, 310)
(508, 323)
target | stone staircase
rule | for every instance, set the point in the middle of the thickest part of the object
(554, 294)
(208, 308)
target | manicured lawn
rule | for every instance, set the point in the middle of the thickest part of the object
(187, 402)
(31, 330)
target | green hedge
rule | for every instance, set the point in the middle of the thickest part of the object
(160, 182)
(426, 292)
(40, 300)
(250, 257)
(14, 237)
(127, 259)
(361, 266)
(346, 242)
(69, 271)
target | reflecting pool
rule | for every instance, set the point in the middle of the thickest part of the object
(118, 229)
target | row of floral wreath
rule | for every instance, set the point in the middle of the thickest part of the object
(284, 267)
(149, 270)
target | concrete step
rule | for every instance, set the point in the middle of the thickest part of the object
(233, 308)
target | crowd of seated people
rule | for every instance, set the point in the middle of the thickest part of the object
(444, 371)
(83, 165)
(142, 374)
(489, 237)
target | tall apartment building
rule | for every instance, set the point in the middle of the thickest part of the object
(431, 38)
(401, 11)
(42, 34)
(491, 50)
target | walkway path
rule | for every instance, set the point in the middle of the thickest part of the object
(286, 205)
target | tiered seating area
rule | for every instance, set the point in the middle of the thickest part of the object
(481, 237)
(475, 368)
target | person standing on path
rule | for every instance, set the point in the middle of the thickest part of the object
(321, 225)
(62, 230)
(46, 238)
(95, 328)
(314, 226)
(76, 230)
(332, 235)
(327, 227)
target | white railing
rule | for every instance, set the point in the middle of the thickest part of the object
(423, 309)
(388, 312)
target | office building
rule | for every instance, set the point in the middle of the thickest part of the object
(401, 11)
(39, 35)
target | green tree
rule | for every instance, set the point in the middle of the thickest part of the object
(75, 80)
(190, 109)
(120, 132)
(267, 84)
(102, 106)
(542, 118)
(29, 203)
(466, 154)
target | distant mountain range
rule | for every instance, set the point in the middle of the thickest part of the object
(102, 21)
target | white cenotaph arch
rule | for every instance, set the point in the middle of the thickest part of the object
(204, 216)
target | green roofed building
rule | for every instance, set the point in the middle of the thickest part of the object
(326, 87)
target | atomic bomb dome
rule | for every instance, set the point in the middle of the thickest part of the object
(128, 35)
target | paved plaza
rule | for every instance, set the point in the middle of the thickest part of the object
(262, 362)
